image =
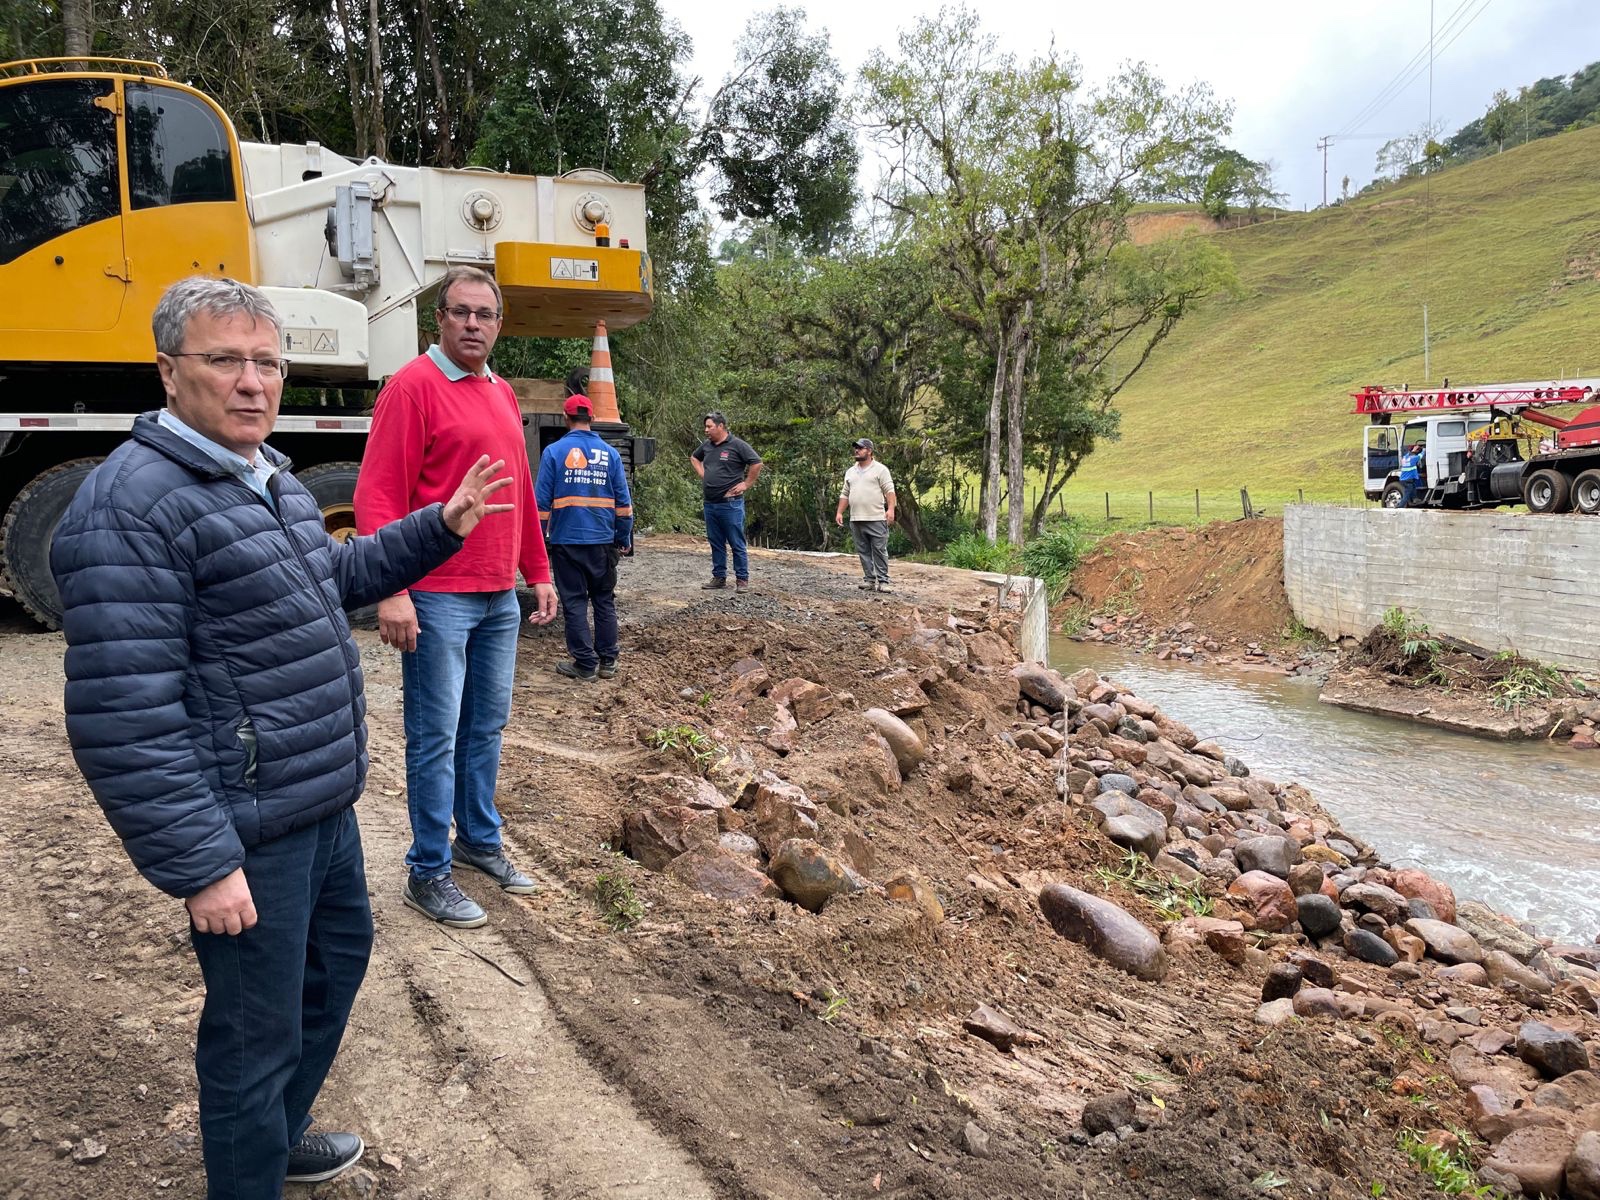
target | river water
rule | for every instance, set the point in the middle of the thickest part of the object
(1514, 824)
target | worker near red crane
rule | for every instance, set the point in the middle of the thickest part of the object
(456, 628)
(1410, 473)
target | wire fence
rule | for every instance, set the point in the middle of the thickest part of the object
(1171, 506)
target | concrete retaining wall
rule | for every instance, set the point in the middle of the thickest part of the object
(1501, 580)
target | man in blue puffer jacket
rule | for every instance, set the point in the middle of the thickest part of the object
(214, 704)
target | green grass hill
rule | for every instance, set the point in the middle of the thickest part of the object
(1253, 392)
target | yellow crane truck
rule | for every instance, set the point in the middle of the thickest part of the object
(115, 181)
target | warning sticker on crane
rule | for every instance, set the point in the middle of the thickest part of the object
(586, 270)
(299, 339)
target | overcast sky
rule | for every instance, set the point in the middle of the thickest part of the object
(1302, 71)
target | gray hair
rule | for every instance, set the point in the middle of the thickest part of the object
(215, 297)
(457, 275)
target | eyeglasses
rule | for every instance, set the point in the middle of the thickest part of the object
(486, 316)
(233, 364)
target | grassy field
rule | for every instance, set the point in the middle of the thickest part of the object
(1253, 392)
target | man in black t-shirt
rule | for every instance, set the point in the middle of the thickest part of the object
(727, 467)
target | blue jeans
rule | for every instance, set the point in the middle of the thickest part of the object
(277, 999)
(725, 527)
(457, 689)
(586, 575)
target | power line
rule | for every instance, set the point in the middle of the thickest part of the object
(1454, 26)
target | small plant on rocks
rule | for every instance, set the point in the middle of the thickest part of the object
(619, 904)
(1450, 1170)
(1173, 900)
(1523, 682)
(689, 740)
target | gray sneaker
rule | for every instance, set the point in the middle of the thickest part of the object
(608, 670)
(320, 1156)
(439, 899)
(496, 866)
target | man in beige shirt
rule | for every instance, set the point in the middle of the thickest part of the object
(869, 493)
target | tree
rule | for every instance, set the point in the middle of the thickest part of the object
(1020, 185)
(77, 24)
(1497, 121)
(776, 137)
(857, 336)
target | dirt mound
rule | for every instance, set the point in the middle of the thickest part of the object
(1224, 580)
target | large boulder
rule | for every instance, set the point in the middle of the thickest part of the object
(1104, 929)
(721, 874)
(656, 836)
(1318, 915)
(1136, 832)
(1419, 885)
(1369, 947)
(1536, 1158)
(906, 745)
(1447, 943)
(1266, 899)
(1042, 685)
(1583, 1168)
(781, 811)
(1550, 1051)
(1502, 969)
(1375, 898)
(1269, 853)
(810, 702)
(1493, 932)
(811, 876)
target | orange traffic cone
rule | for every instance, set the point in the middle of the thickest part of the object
(602, 385)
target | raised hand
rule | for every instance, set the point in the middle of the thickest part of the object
(469, 505)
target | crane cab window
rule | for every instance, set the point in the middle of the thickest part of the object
(58, 161)
(178, 150)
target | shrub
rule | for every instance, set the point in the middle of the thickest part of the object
(1055, 554)
(973, 552)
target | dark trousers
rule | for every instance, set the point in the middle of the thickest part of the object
(587, 575)
(277, 999)
(725, 531)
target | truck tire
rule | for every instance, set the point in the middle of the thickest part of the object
(1586, 493)
(30, 524)
(1547, 491)
(333, 486)
(1394, 495)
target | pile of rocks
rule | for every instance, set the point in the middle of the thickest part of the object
(1185, 643)
(1316, 910)
(743, 833)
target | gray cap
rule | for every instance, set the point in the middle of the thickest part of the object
(862, 444)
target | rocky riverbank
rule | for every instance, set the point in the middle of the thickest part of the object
(939, 778)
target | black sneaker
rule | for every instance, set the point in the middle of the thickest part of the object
(320, 1156)
(573, 671)
(496, 866)
(608, 670)
(439, 899)
(716, 585)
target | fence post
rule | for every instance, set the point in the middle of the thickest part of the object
(1197, 503)
(1151, 497)
(1108, 506)
(1302, 492)
(1244, 499)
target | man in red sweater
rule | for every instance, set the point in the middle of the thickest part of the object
(457, 627)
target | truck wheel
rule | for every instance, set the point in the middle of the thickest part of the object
(1547, 491)
(1394, 496)
(333, 486)
(30, 524)
(1586, 492)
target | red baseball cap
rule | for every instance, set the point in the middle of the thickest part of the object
(576, 405)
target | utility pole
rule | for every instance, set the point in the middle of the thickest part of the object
(1427, 366)
(1322, 144)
